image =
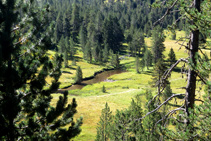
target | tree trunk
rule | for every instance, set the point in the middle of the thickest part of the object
(191, 85)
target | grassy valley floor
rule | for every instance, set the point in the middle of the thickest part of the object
(119, 92)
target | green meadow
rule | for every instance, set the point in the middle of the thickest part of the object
(119, 92)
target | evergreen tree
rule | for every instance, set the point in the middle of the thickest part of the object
(66, 26)
(125, 125)
(158, 72)
(66, 52)
(150, 120)
(72, 50)
(83, 36)
(79, 75)
(61, 45)
(137, 43)
(147, 58)
(59, 27)
(103, 128)
(105, 53)
(75, 22)
(167, 92)
(173, 35)
(88, 53)
(158, 46)
(142, 64)
(103, 89)
(113, 34)
(137, 63)
(115, 61)
(171, 56)
(26, 112)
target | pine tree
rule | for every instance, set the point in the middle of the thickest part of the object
(103, 128)
(150, 120)
(167, 92)
(171, 56)
(103, 89)
(158, 46)
(66, 52)
(83, 36)
(61, 45)
(158, 72)
(112, 34)
(125, 125)
(147, 58)
(72, 50)
(137, 63)
(75, 22)
(66, 26)
(173, 35)
(115, 61)
(88, 53)
(79, 75)
(105, 53)
(26, 112)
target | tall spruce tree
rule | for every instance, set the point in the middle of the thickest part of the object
(75, 22)
(158, 47)
(171, 56)
(137, 64)
(79, 75)
(103, 128)
(147, 58)
(26, 112)
(113, 34)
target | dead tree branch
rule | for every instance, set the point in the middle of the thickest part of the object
(166, 13)
(158, 107)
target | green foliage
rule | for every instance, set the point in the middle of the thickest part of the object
(103, 89)
(115, 61)
(103, 128)
(25, 110)
(173, 35)
(158, 47)
(126, 125)
(200, 119)
(79, 75)
(150, 120)
(137, 44)
(167, 92)
(158, 72)
(74, 62)
(147, 59)
(113, 34)
(171, 57)
(137, 64)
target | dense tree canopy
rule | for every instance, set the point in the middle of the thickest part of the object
(25, 110)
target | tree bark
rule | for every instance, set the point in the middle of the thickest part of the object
(191, 85)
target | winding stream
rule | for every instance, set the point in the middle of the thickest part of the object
(98, 78)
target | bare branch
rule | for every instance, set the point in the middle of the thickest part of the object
(170, 113)
(168, 71)
(14, 29)
(199, 100)
(166, 101)
(166, 13)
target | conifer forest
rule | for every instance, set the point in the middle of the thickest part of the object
(105, 70)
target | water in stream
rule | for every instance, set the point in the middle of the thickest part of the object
(98, 78)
